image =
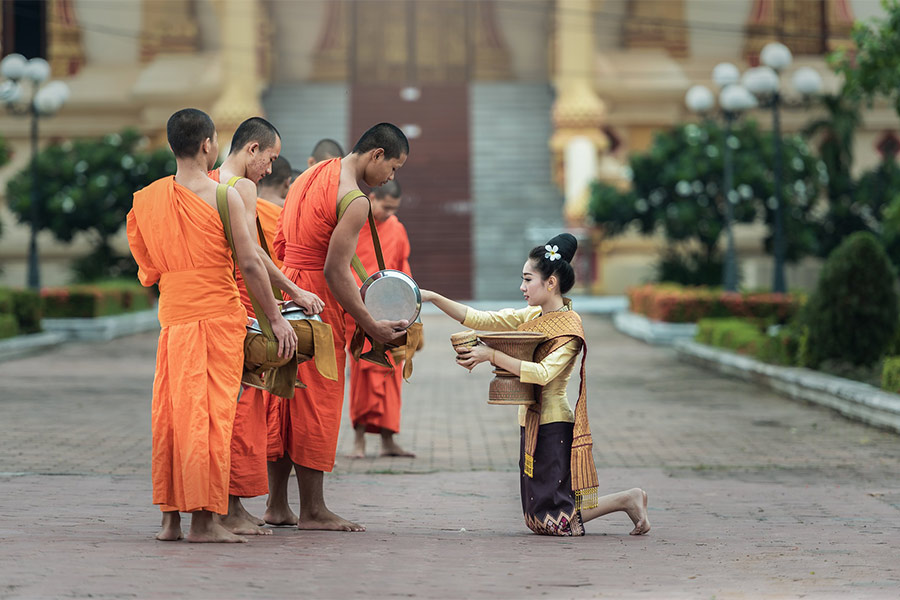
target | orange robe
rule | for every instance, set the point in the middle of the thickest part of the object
(178, 241)
(312, 418)
(375, 390)
(255, 420)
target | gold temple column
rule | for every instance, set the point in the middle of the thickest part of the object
(578, 112)
(241, 83)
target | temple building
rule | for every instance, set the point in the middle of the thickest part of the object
(512, 107)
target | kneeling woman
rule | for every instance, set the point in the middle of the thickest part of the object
(558, 478)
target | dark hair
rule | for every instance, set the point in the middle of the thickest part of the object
(326, 149)
(186, 131)
(254, 129)
(385, 136)
(391, 188)
(561, 267)
(281, 170)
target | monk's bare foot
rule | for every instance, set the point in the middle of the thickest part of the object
(171, 528)
(395, 450)
(280, 517)
(239, 511)
(391, 448)
(241, 526)
(359, 442)
(206, 530)
(328, 521)
(637, 511)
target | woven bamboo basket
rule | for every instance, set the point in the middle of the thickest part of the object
(506, 388)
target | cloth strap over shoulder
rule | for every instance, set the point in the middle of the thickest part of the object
(262, 238)
(355, 262)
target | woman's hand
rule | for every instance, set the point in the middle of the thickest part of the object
(472, 356)
(427, 295)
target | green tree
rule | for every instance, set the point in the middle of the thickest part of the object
(853, 314)
(872, 68)
(678, 189)
(87, 186)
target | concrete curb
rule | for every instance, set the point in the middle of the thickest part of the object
(25, 345)
(101, 329)
(653, 332)
(857, 401)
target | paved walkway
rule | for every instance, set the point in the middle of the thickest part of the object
(751, 495)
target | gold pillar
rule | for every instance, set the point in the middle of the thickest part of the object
(168, 27)
(578, 111)
(241, 84)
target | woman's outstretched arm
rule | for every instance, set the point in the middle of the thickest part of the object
(451, 308)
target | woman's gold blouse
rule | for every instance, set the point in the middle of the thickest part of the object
(553, 372)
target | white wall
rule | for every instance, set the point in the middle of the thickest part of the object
(110, 30)
(716, 27)
(297, 27)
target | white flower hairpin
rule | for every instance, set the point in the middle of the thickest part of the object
(552, 252)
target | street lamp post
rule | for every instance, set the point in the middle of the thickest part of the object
(765, 82)
(733, 100)
(43, 101)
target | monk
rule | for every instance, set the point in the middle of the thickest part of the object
(375, 390)
(256, 420)
(178, 240)
(255, 147)
(323, 150)
(316, 249)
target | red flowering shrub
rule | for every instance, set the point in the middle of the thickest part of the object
(674, 304)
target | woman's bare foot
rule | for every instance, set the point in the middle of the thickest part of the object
(636, 508)
(170, 530)
(238, 510)
(328, 521)
(280, 517)
(206, 529)
(241, 526)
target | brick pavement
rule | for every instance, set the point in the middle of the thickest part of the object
(751, 495)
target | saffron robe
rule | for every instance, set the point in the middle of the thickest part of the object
(375, 391)
(255, 419)
(311, 419)
(178, 241)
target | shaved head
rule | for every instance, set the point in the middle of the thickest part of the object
(326, 149)
(186, 131)
(254, 129)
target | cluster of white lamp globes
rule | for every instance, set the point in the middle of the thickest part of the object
(740, 93)
(737, 94)
(16, 70)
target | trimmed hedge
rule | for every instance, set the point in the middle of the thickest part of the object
(751, 337)
(95, 300)
(676, 304)
(23, 307)
(8, 326)
(890, 374)
(853, 314)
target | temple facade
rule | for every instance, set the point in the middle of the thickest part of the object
(512, 107)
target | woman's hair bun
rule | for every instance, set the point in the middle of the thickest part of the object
(567, 245)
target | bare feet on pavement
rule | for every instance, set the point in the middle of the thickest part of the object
(280, 517)
(171, 528)
(328, 521)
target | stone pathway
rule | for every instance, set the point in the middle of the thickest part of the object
(751, 495)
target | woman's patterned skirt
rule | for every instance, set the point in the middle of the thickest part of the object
(547, 498)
